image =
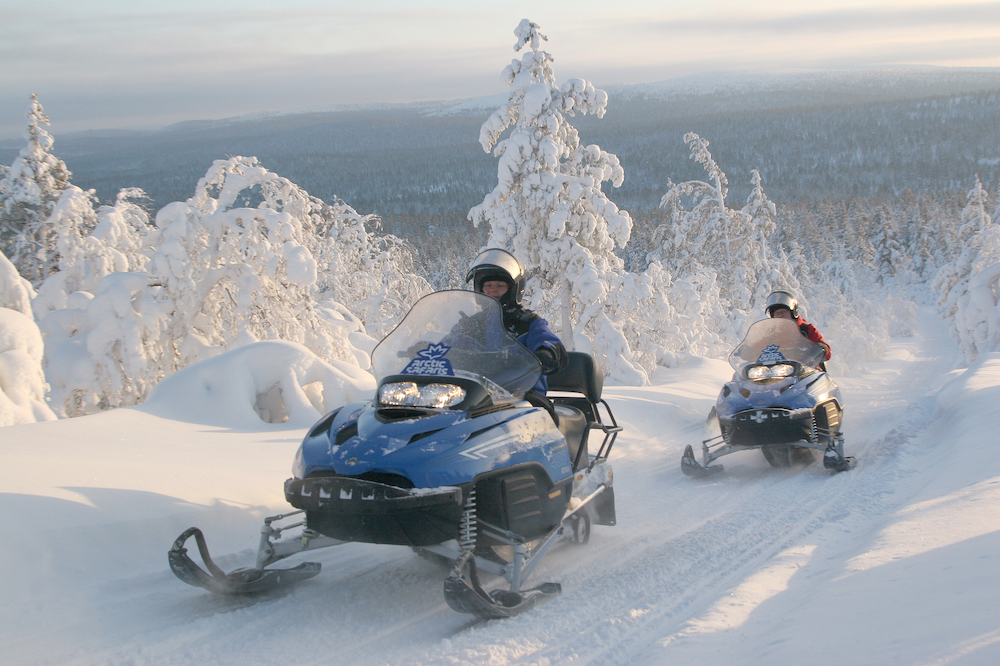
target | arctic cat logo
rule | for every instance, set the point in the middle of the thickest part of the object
(759, 417)
(771, 355)
(431, 362)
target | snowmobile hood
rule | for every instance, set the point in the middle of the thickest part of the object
(450, 448)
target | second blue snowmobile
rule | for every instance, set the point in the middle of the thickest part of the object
(780, 400)
(448, 459)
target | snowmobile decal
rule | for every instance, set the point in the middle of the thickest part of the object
(431, 361)
(771, 355)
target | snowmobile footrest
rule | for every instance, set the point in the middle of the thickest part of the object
(465, 595)
(691, 468)
(241, 581)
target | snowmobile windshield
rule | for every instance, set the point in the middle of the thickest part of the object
(458, 334)
(775, 341)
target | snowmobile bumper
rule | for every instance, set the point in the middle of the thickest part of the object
(352, 509)
(775, 425)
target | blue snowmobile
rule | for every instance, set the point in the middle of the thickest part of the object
(447, 459)
(780, 400)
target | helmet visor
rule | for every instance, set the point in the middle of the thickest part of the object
(781, 299)
(501, 259)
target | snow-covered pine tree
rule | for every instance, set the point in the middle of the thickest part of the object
(921, 242)
(975, 235)
(969, 286)
(548, 207)
(764, 270)
(92, 244)
(234, 274)
(29, 190)
(704, 233)
(375, 273)
(890, 261)
(104, 349)
(727, 252)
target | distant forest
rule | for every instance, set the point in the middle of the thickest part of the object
(421, 170)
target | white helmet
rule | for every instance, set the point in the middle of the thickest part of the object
(497, 264)
(782, 299)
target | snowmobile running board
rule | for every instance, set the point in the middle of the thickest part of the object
(249, 580)
(465, 594)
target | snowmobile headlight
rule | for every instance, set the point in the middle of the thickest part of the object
(782, 370)
(409, 394)
(778, 371)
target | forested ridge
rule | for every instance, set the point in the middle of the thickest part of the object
(652, 224)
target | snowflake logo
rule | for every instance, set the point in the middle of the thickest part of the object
(434, 352)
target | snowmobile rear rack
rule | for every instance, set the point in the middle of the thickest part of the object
(249, 580)
(582, 376)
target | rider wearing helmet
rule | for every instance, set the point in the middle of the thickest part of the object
(498, 274)
(784, 305)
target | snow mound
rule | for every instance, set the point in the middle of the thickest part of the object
(22, 383)
(270, 382)
(15, 292)
(975, 394)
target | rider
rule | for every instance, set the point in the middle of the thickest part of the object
(783, 305)
(496, 273)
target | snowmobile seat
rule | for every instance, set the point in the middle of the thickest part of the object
(575, 390)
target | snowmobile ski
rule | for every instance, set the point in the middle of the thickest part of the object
(465, 594)
(249, 580)
(691, 468)
(835, 461)
(240, 581)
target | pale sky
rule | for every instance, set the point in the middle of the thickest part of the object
(138, 64)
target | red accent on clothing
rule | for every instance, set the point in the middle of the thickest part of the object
(813, 334)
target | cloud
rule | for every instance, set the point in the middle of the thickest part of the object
(117, 63)
(831, 21)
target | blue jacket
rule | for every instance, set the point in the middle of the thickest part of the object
(540, 335)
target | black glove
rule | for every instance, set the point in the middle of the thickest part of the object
(553, 358)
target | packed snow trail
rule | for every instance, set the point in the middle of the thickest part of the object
(758, 565)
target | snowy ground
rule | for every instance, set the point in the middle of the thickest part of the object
(895, 562)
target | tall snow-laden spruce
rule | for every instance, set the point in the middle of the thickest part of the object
(973, 250)
(548, 208)
(29, 191)
(969, 286)
(722, 252)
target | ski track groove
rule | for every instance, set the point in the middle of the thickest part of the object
(636, 615)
